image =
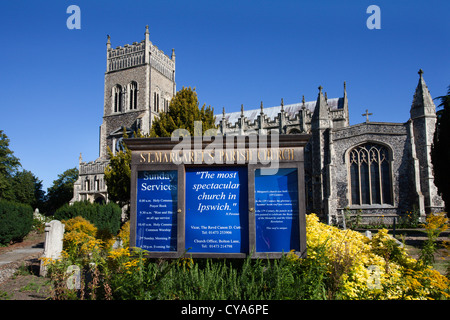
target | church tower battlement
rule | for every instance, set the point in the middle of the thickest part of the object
(139, 83)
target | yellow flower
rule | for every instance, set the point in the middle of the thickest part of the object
(118, 253)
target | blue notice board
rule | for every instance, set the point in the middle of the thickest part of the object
(156, 210)
(216, 210)
(277, 211)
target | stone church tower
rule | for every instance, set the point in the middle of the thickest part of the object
(139, 83)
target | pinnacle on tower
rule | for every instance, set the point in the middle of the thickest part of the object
(147, 34)
(422, 104)
(321, 109)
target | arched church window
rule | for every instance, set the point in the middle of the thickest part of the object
(133, 95)
(370, 174)
(117, 98)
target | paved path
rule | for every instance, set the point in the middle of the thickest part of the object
(10, 261)
(21, 253)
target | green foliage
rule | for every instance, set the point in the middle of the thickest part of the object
(61, 192)
(340, 265)
(8, 164)
(117, 176)
(26, 188)
(105, 217)
(16, 220)
(220, 279)
(183, 111)
(18, 186)
(440, 152)
(434, 226)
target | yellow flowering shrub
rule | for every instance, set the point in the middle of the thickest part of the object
(436, 223)
(123, 261)
(377, 268)
(79, 242)
(124, 234)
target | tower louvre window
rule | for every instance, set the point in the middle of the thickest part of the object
(117, 96)
(132, 95)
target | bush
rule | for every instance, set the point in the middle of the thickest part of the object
(105, 217)
(80, 243)
(341, 264)
(16, 220)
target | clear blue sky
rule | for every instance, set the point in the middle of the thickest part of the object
(233, 52)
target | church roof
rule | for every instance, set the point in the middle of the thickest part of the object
(272, 112)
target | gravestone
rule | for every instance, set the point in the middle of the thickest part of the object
(54, 234)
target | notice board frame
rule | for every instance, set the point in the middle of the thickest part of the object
(145, 153)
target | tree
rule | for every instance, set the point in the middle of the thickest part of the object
(26, 188)
(183, 111)
(440, 151)
(117, 176)
(8, 164)
(61, 192)
(18, 186)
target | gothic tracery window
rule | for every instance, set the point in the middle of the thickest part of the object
(370, 175)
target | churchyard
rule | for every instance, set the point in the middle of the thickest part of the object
(27, 284)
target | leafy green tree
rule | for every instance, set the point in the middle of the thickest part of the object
(118, 172)
(26, 188)
(18, 186)
(183, 111)
(8, 164)
(117, 176)
(440, 151)
(61, 192)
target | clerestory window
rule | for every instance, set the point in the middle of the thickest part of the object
(370, 174)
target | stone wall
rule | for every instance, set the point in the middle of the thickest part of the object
(396, 138)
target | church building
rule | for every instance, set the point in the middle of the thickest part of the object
(377, 170)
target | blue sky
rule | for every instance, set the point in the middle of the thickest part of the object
(232, 52)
